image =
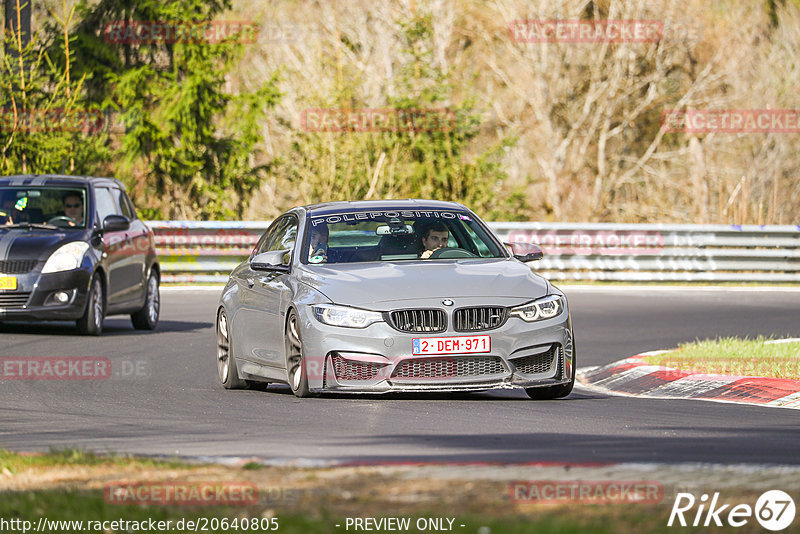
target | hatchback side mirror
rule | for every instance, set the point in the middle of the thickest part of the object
(116, 223)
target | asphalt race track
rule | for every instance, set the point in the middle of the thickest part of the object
(164, 398)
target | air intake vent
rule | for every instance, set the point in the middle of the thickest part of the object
(449, 367)
(537, 363)
(353, 369)
(16, 266)
(14, 301)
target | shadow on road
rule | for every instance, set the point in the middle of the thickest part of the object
(112, 327)
(772, 445)
(481, 396)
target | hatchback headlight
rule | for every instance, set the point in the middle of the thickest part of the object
(66, 257)
(345, 316)
(539, 310)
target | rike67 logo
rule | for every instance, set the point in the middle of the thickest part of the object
(774, 510)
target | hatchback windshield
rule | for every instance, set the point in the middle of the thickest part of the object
(360, 236)
(64, 207)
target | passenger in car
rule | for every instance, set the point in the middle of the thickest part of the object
(7, 210)
(11, 211)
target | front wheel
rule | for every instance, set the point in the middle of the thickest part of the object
(147, 317)
(91, 323)
(296, 372)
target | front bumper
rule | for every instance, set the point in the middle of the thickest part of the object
(378, 359)
(33, 298)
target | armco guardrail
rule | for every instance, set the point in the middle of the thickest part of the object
(207, 251)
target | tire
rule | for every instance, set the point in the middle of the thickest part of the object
(226, 363)
(296, 373)
(147, 317)
(91, 323)
(556, 392)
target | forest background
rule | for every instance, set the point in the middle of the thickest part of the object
(549, 131)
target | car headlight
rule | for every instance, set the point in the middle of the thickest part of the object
(539, 310)
(345, 316)
(66, 257)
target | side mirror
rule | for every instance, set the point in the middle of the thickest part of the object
(525, 252)
(274, 260)
(116, 223)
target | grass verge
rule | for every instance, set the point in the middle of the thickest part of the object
(70, 507)
(13, 462)
(761, 357)
(71, 486)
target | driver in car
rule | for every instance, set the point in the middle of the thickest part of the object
(318, 250)
(434, 237)
(73, 208)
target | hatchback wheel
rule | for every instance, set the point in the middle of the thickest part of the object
(91, 324)
(147, 317)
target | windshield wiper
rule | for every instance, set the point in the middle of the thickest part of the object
(29, 226)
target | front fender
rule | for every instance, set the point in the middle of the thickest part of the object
(304, 297)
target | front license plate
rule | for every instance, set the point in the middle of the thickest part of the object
(8, 282)
(451, 345)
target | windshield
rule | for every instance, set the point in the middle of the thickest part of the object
(361, 236)
(64, 207)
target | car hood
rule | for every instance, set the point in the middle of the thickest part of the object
(33, 244)
(361, 284)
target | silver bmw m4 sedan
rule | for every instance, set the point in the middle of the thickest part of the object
(384, 296)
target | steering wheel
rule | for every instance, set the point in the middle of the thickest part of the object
(451, 253)
(62, 219)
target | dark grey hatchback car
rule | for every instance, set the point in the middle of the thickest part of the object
(72, 248)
